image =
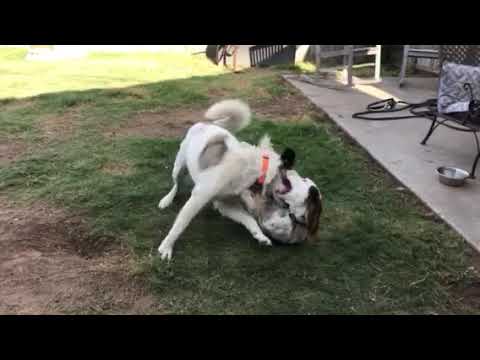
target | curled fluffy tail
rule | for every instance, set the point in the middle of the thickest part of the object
(233, 115)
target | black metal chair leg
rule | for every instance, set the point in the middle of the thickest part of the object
(430, 131)
(472, 173)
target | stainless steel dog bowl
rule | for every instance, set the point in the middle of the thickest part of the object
(452, 176)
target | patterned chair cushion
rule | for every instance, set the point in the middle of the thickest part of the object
(452, 97)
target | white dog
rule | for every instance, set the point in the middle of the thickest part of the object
(224, 169)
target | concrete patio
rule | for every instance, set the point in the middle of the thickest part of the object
(396, 146)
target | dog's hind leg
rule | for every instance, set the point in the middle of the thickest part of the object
(239, 215)
(180, 162)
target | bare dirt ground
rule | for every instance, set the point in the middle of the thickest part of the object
(60, 126)
(49, 265)
(154, 124)
(469, 294)
(10, 150)
(115, 168)
(159, 124)
(292, 108)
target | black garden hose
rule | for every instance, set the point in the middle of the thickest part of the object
(389, 106)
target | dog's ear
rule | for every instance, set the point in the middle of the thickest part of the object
(288, 159)
(314, 210)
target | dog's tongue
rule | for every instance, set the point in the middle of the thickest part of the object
(285, 187)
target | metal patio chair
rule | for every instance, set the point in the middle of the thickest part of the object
(462, 121)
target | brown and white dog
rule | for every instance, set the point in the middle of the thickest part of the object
(275, 216)
(224, 170)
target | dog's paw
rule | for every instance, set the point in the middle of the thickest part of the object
(164, 203)
(165, 252)
(263, 240)
(168, 199)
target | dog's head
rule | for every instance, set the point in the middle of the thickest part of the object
(299, 194)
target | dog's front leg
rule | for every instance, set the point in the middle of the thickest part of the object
(239, 215)
(199, 198)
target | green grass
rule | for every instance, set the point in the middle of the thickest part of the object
(378, 254)
(27, 78)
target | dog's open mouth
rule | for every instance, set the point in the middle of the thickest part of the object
(286, 186)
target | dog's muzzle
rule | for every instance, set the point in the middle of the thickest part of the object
(297, 221)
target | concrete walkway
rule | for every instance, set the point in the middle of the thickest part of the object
(396, 145)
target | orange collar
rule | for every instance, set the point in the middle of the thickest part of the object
(263, 175)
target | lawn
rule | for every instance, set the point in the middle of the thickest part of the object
(97, 137)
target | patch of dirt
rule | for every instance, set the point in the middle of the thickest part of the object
(159, 124)
(136, 92)
(16, 105)
(474, 258)
(49, 265)
(469, 294)
(52, 128)
(10, 150)
(243, 83)
(292, 108)
(218, 93)
(60, 127)
(117, 169)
